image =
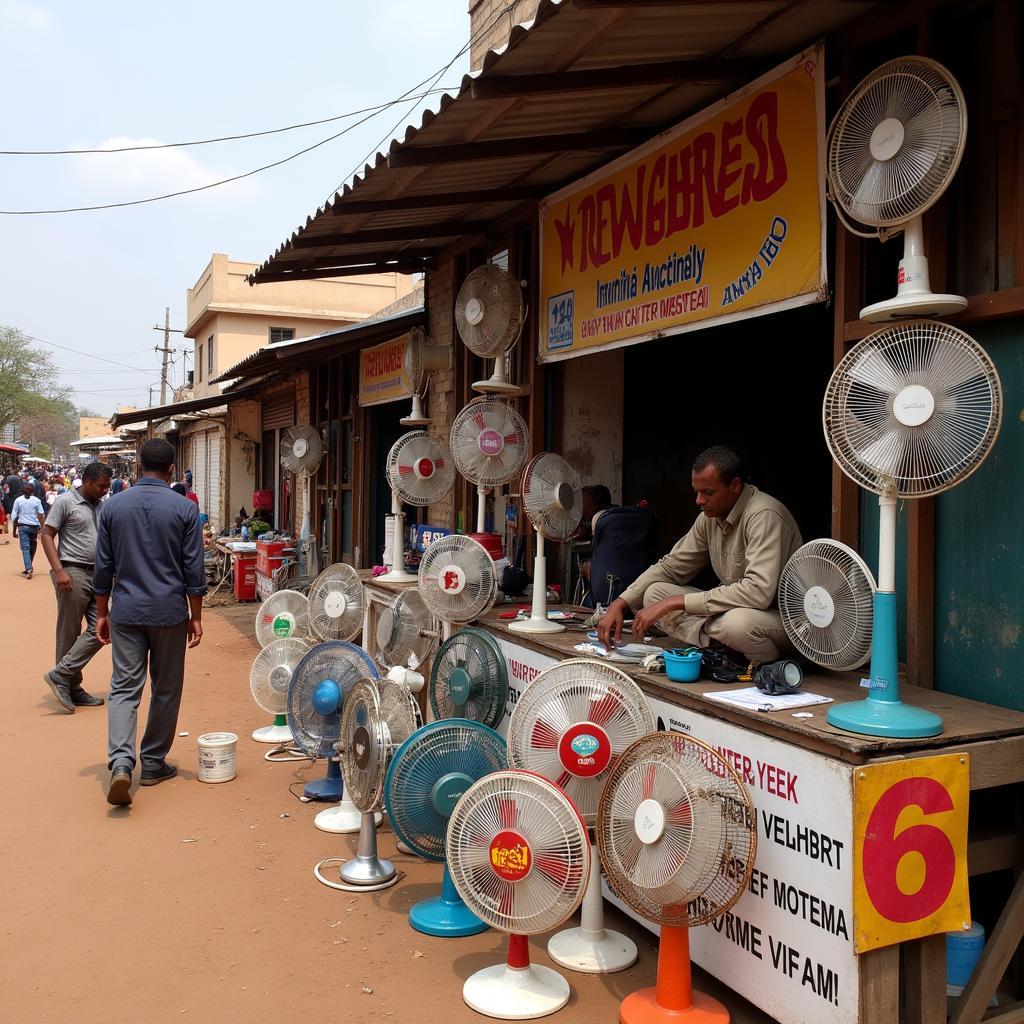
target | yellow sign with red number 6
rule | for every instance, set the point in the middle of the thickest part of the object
(910, 850)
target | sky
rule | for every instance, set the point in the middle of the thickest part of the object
(112, 73)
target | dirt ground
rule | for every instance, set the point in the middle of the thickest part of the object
(199, 902)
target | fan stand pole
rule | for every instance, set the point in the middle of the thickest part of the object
(481, 508)
(416, 417)
(516, 989)
(498, 383)
(538, 622)
(445, 915)
(329, 787)
(396, 571)
(367, 868)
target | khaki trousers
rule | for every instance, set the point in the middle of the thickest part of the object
(75, 648)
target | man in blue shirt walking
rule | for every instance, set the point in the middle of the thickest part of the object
(150, 540)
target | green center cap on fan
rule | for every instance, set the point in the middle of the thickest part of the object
(447, 792)
(283, 624)
(510, 854)
(361, 747)
(584, 750)
(460, 686)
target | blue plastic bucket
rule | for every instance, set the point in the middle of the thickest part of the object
(962, 952)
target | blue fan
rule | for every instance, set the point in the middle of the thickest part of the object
(426, 778)
(316, 696)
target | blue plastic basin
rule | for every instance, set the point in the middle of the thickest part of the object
(682, 667)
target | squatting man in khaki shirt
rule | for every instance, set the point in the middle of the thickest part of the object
(747, 537)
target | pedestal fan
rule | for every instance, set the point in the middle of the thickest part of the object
(336, 603)
(458, 580)
(269, 677)
(677, 834)
(420, 472)
(284, 614)
(301, 452)
(571, 725)
(405, 639)
(469, 678)
(553, 500)
(489, 318)
(910, 411)
(419, 361)
(425, 780)
(489, 442)
(520, 858)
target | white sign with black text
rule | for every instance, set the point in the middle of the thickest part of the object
(524, 666)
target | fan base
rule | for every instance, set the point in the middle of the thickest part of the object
(493, 386)
(366, 871)
(396, 576)
(415, 421)
(606, 955)
(532, 625)
(884, 718)
(643, 1008)
(509, 993)
(446, 918)
(341, 820)
(279, 734)
(911, 306)
(327, 790)
(346, 886)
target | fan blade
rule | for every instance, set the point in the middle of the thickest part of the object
(603, 710)
(507, 812)
(543, 736)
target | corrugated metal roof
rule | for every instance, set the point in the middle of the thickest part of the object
(565, 36)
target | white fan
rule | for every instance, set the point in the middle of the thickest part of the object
(269, 677)
(285, 613)
(419, 361)
(893, 149)
(406, 637)
(553, 499)
(458, 580)
(420, 472)
(826, 594)
(301, 452)
(910, 411)
(489, 317)
(336, 603)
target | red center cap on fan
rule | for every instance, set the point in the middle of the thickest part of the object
(511, 858)
(425, 468)
(584, 750)
(490, 442)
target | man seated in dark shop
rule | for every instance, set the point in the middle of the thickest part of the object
(747, 537)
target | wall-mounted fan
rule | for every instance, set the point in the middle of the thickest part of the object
(489, 316)
(425, 780)
(520, 857)
(571, 725)
(677, 834)
(470, 678)
(419, 361)
(553, 500)
(336, 603)
(284, 614)
(457, 578)
(301, 452)
(269, 677)
(420, 472)
(406, 636)
(826, 594)
(910, 411)
(893, 149)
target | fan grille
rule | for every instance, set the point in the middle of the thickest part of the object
(552, 496)
(272, 671)
(489, 442)
(890, 375)
(405, 633)
(470, 678)
(362, 745)
(420, 468)
(489, 311)
(284, 614)
(336, 603)
(700, 863)
(457, 579)
(301, 449)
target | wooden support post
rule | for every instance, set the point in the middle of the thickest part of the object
(880, 985)
(924, 963)
(921, 593)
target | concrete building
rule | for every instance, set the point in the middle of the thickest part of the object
(93, 426)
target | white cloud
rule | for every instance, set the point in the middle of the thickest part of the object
(14, 15)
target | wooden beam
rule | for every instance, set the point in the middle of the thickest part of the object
(924, 963)
(350, 270)
(442, 229)
(345, 207)
(989, 853)
(496, 149)
(921, 593)
(880, 984)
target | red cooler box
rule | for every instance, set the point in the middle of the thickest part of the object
(268, 555)
(245, 577)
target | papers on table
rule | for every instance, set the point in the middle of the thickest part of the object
(752, 699)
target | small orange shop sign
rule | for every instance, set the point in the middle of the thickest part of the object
(719, 218)
(382, 377)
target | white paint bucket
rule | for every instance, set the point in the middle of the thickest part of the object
(217, 752)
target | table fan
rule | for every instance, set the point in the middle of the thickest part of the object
(269, 677)
(425, 780)
(284, 614)
(336, 603)
(301, 452)
(470, 678)
(418, 361)
(489, 442)
(677, 834)
(420, 472)
(826, 593)
(489, 318)
(910, 411)
(405, 639)
(553, 500)
(571, 725)
(378, 717)
(458, 580)
(893, 149)
(521, 860)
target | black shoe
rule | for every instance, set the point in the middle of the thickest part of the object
(81, 699)
(61, 691)
(158, 775)
(119, 793)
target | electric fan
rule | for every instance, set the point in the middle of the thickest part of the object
(269, 677)
(378, 717)
(405, 637)
(458, 580)
(470, 678)
(418, 362)
(489, 442)
(420, 472)
(910, 411)
(825, 599)
(553, 500)
(893, 149)
(677, 835)
(425, 780)
(301, 452)
(521, 860)
(572, 724)
(336, 603)
(284, 614)
(489, 317)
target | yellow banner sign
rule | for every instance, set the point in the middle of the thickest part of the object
(717, 219)
(381, 374)
(910, 850)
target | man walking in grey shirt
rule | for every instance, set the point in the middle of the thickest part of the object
(149, 539)
(72, 523)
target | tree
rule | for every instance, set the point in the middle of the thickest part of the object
(43, 450)
(49, 421)
(27, 375)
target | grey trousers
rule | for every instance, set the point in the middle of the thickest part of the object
(163, 647)
(75, 648)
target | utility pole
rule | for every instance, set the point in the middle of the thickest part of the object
(166, 350)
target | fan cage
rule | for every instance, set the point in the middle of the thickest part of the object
(307, 462)
(405, 635)
(287, 605)
(362, 745)
(272, 670)
(489, 442)
(477, 654)
(457, 579)
(502, 311)
(336, 581)
(407, 454)
(552, 496)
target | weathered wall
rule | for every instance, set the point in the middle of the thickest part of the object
(441, 399)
